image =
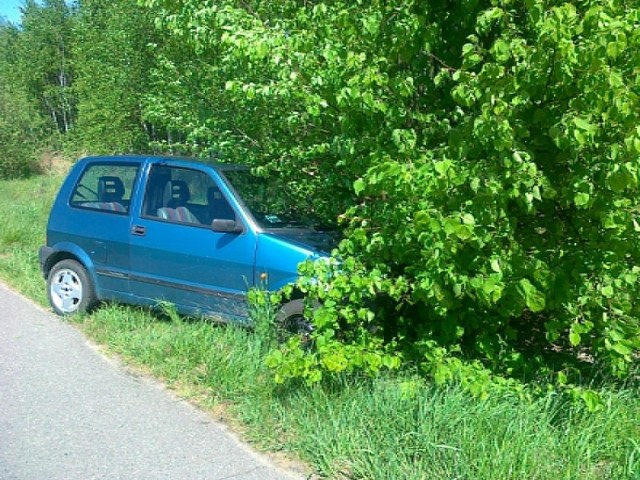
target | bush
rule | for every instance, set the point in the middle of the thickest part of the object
(501, 233)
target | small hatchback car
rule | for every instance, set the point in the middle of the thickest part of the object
(146, 229)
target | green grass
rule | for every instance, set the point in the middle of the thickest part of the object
(23, 219)
(393, 427)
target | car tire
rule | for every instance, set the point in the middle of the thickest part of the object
(70, 289)
(291, 320)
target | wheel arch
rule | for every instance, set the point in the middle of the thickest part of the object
(70, 251)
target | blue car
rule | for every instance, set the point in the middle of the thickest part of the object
(148, 229)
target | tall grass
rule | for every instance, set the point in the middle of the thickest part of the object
(23, 216)
(392, 427)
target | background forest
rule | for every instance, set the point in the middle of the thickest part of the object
(481, 157)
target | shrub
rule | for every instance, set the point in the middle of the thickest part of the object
(501, 233)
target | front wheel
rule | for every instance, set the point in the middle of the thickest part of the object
(69, 288)
(291, 320)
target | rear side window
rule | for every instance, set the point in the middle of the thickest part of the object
(105, 187)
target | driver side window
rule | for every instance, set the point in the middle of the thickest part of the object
(181, 195)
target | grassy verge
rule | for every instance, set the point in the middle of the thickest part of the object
(393, 427)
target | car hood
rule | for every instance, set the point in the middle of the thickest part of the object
(319, 240)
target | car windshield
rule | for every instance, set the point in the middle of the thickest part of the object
(272, 202)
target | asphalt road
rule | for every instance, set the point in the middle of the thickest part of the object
(68, 413)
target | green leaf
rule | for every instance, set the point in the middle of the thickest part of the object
(488, 18)
(613, 49)
(574, 338)
(358, 186)
(583, 124)
(534, 299)
(451, 225)
(502, 50)
(621, 348)
(495, 265)
(468, 219)
(607, 291)
(463, 96)
(464, 232)
(580, 137)
(442, 166)
(493, 289)
(620, 180)
(592, 400)
(610, 222)
(581, 199)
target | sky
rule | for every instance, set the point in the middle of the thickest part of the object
(10, 9)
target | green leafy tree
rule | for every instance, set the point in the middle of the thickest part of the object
(43, 63)
(113, 62)
(21, 128)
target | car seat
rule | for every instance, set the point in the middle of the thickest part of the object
(110, 193)
(176, 194)
(180, 214)
(110, 189)
(218, 205)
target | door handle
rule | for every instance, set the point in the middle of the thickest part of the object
(139, 230)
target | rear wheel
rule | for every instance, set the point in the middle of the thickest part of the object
(69, 288)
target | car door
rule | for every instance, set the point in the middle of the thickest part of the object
(98, 221)
(175, 254)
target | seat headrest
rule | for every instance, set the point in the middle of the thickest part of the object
(176, 192)
(213, 194)
(110, 189)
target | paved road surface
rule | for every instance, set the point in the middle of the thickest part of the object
(68, 413)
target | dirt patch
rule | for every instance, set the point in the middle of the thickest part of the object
(54, 163)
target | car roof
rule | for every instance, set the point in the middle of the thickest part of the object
(174, 159)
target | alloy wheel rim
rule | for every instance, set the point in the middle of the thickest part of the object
(66, 291)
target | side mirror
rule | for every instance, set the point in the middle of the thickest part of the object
(226, 226)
